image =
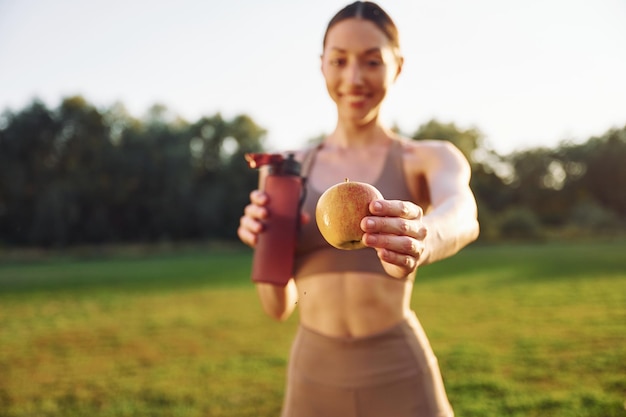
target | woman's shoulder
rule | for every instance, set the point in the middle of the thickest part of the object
(426, 145)
(428, 152)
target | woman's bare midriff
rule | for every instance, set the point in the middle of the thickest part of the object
(352, 304)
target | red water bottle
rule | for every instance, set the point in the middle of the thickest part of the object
(274, 252)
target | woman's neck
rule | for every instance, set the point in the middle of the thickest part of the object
(350, 135)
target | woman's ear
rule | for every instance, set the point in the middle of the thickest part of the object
(400, 60)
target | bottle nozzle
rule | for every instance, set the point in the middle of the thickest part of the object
(277, 162)
(257, 160)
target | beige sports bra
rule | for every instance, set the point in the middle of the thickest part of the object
(314, 255)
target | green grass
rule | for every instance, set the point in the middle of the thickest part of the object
(519, 330)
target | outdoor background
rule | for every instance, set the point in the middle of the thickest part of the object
(123, 288)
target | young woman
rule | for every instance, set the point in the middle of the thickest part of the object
(360, 350)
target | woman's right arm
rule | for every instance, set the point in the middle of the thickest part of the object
(277, 302)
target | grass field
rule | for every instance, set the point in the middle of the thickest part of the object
(519, 330)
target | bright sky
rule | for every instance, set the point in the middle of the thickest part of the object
(525, 72)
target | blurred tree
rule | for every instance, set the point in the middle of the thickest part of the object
(605, 176)
(29, 156)
(520, 223)
(538, 179)
(81, 175)
(468, 140)
(595, 180)
(84, 173)
(217, 149)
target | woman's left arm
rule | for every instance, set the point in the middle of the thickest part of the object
(404, 237)
(452, 223)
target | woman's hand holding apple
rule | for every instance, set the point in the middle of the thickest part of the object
(396, 231)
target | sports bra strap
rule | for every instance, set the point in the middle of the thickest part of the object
(309, 159)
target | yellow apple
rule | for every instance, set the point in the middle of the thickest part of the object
(339, 212)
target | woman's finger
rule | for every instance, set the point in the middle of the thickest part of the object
(396, 208)
(394, 226)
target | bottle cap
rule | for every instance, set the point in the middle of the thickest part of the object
(290, 166)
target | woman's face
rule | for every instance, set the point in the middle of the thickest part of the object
(359, 65)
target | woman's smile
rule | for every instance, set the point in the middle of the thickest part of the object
(356, 100)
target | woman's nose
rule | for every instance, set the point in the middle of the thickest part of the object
(354, 73)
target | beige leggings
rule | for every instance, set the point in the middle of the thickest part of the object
(392, 373)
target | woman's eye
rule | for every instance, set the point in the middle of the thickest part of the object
(337, 62)
(374, 63)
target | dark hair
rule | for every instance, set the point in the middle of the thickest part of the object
(367, 10)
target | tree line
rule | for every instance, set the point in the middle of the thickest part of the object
(77, 174)
(572, 190)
